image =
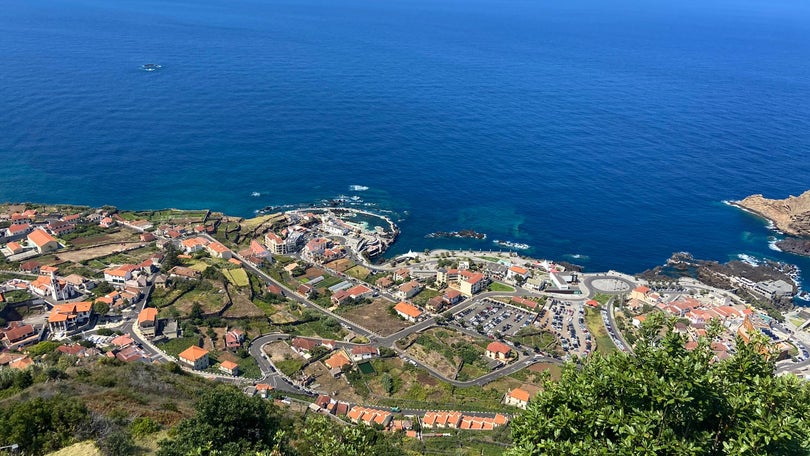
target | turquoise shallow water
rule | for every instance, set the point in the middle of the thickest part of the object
(611, 132)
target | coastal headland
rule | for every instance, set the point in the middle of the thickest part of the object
(790, 216)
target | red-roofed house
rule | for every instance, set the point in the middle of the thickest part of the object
(361, 352)
(517, 397)
(66, 317)
(229, 367)
(147, 321)
(20, 336)
(43, 241)
(499, 350)
(336, 362)
(408, 289)
(234, 339)
(639, 293)
(218, 250)
(407, 311)
(195, 357)
(515, 272)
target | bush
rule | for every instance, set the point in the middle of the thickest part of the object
(143, 426)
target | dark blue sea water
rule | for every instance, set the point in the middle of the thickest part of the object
(611, 130)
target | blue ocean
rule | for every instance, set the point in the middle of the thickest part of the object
(604, 133)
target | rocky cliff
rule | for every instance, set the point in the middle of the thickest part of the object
(790, 215)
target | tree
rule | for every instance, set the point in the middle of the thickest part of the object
(101, 308)
(664, 399)
(227, 420)
(387, 383)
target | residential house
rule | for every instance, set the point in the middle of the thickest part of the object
(234, 339)
(69, 316)
(147, 321)
(118, 275)
(435, 304)
(193, 245)
(306, 290)
(516, 273)
(14, 248)
(336, 362)
(229, 367)
(451, 296)
(107, 222)
(195, 357)
(441, 419)
(304, 346)
(401, 274)
(370, 416)
(517, 397)
(217, 250)
(19, 336)
(18, 230)
(264, 390)
(499, 351)
(339, 297)
(408, 290)
(407, 311)
(638, 320)
(640, 293)
(362, 352)
(43, 241)
(359, 292)
(385, 282)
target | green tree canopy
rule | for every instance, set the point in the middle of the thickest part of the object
(226, 420)
(666, 400)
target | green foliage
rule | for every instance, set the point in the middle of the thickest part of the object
(666, 400)
(117, 443)
(42, 425)
(227, 420)
(387, 383)
(43, 347)
(101, 308)
(102, 289)
(143, 426)
(322, 437)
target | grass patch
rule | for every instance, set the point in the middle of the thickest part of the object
(358, 272)
(289, 366)
(424, 296)
(175, 346)
(602, 298)
(237, 277)
(603, 342)
(489, 258)
(497, 286)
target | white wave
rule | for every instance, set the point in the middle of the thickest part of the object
(358, 188)
(772, 245)
(748, 259)
(255, 194)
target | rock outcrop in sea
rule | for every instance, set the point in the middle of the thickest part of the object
(790, 215)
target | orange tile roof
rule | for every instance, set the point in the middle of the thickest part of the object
(408, 309)
(230, 365)
(519, 394)
(193, 353)
(48, 269)
(14, 246)
(498, 347)
(147, 314)
(641, 289)
(337, 361)
(217, 247)
(519, 270)
(40, 237)
(263, 387)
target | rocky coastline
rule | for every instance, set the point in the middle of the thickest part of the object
(790, 215)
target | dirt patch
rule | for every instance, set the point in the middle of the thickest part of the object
(375, 317)
(78, 256)
(426, 379)
(279, 351)
(340, 265)
(336, 387)
(435, 360)
(242, 308)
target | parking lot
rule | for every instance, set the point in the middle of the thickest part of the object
(492, 317)
(566, 320)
